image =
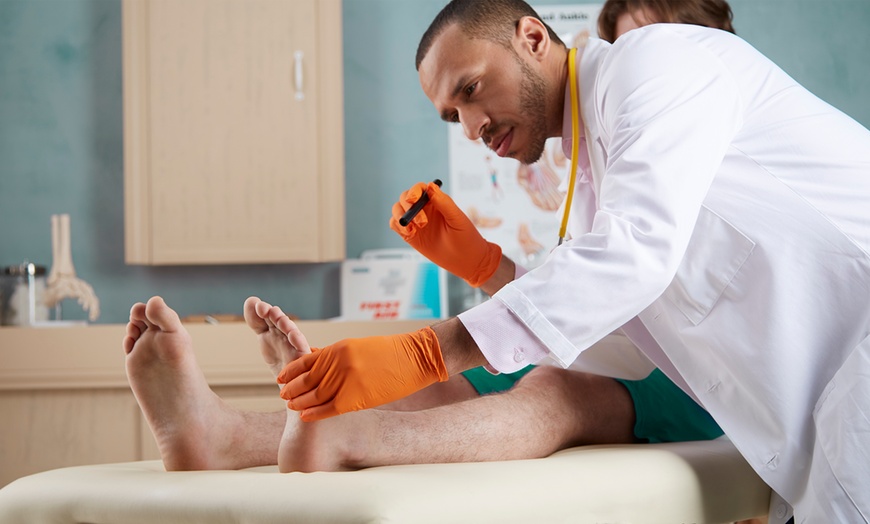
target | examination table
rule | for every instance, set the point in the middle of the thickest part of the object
(646, 483)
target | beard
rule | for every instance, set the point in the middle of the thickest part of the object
(532, 103)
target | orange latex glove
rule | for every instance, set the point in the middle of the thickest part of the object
(445, 235)
(360, 373)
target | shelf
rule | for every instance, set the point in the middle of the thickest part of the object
(88, 357)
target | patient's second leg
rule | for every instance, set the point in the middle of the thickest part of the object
(548, 410)
(193, 427)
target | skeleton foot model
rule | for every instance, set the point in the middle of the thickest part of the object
(62, 281)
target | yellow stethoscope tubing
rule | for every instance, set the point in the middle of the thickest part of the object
(575, 140)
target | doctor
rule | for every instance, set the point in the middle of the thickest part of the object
(720, 217)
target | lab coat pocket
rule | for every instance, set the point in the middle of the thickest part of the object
(716, 252)
(842, 420)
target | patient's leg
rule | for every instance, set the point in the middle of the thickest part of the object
(193, 427)
(548, 410)
(335, 443)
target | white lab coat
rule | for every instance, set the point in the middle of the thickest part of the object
(730, 238)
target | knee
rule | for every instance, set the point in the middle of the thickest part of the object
(595, 409)
(544, 377)
(570, 386)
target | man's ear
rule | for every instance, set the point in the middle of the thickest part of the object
(531, 38)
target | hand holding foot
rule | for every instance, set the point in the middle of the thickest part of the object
(313, 446)
(360, 373)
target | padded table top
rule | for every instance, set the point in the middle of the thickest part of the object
(675, 482)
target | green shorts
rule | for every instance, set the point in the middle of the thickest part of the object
(664, 413)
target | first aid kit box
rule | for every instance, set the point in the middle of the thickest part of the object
(392, 284)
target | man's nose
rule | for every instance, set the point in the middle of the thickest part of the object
(474, 123)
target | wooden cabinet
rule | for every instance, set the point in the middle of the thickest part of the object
(233, 131)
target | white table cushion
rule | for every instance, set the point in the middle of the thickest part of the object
(649, 483)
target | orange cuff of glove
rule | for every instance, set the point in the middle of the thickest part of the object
(362, 373)
(487, 266)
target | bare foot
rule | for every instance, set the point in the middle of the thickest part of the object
(528, 243)
(481, 221)
(542, 185)
(281, 341)
(326, 445)
(193, 427)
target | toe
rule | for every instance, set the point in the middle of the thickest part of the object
(275, 314)
(294, 335)
(128, 343)
(252, 318)
(137, 314)
(162, 315)
(134, 330)
(263, 309)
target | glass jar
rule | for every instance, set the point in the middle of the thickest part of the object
(21, 292)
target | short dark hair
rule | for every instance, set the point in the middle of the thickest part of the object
(493, 20)
(710, 13)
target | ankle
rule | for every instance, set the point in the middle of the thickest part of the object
(359, 445)
(252, 438)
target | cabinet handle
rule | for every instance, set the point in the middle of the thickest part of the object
(297, 74)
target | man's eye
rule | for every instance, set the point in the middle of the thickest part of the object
(470, 89)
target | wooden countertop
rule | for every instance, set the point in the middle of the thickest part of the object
(88, 357)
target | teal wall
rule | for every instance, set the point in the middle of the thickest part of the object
(61, 147)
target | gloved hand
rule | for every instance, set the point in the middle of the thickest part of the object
(360, 373)
(445, 235)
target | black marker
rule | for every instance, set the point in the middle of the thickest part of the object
(418, 205)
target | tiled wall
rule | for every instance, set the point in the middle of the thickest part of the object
(61, 147)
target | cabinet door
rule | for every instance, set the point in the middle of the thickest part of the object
(230, 106)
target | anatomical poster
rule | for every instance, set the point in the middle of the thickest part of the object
(515, 205)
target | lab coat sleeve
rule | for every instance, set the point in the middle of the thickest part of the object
(666, 111)
(614, 356)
